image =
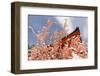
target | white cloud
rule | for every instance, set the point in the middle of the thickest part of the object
(69, 27)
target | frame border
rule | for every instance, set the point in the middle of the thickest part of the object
(15, 37)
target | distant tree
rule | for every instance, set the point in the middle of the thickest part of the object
(32, 46)
(29, 47)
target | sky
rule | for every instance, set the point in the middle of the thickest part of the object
(38, 22)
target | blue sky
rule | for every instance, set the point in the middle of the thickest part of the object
(37, 22)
